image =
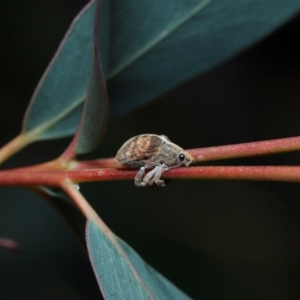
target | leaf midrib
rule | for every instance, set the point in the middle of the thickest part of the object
(163, 35)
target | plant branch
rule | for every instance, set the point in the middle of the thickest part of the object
(73, 191)
(69, 153)
(261, 173)
(272, 173)
(97, 163)
(246, 149)
(27, 177)
(13, 146)
(85, 207)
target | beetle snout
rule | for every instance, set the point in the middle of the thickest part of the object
(189, 160)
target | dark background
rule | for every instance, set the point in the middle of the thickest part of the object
(214, 239)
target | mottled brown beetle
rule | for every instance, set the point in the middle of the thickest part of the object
(151, 151)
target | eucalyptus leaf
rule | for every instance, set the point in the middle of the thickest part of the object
(95, 113)
(56, 104)
(156, 45)
(153, 47)
(123, 274)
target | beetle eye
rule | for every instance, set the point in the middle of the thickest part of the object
(181, 156)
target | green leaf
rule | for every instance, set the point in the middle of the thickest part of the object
(95, 112)
(121, 273)
(56, 105)
(156, 45)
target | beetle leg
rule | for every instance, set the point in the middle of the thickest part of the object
(156, 178)
(138, 179)
(147, 179)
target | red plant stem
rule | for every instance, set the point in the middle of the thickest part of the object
(14, 146)
(56, 178)
(270, 173)
(218, 152)
(274, 173)
(97, 163)
(79, 200)
(86, 208)
(69, 153)
(246, 149)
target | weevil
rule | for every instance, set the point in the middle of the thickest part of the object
(151, 151)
